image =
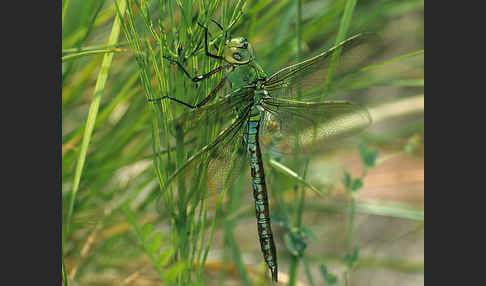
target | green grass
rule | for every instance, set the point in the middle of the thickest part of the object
(119, 149)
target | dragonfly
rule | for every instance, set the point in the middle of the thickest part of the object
(260, 106)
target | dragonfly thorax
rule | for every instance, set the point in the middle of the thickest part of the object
(241, 75)
(259, 95)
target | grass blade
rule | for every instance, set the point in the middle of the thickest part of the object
(343, 29)
(94, 52)
(65, 4)
(92, 113)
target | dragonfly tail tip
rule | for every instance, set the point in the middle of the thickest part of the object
(274, 274)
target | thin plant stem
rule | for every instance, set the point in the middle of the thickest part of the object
(65, 5)
(343, 29)
(92, 113)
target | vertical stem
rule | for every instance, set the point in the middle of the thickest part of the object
(92, 114)
(352, 216)
(181, 179)
(294, 260)
(64, 275)
(343, 29)
(228, 226)
(352, 213)
(349, 240)
(235, 252)
(300, 207)
(294, 263)
(181, 220)
(299, 30)
(307, 272)
(65, 4)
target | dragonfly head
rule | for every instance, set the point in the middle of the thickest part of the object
(238, 51)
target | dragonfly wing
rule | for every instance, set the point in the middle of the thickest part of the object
(310, 75)
(223, 109)
(220, 148)
(216, 151)
(202, 125)
(294, 126)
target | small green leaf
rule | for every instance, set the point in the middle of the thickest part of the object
(281, 220)
(356, 185)
(146, 231)
(368, 157)
(330, 278)
(163, 258)
(305, 232)
(129, 214)
(295, 244)
(290, 244)
(346, 179)
(155, 243)
(172, 272)
(413, 144)
(350, 259)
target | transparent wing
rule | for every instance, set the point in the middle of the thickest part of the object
(216, 151)
(207, 125)
(292, 126)
(221, 110)
(310, 75)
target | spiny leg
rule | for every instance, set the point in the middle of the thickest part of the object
(213, 93)
(174, 99)
(202, 103)
(206, 44)
(196, 79)
(206, 49)
(200, 77)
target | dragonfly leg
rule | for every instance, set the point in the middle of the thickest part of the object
(196, 78)
(194, 51)
(174, 99)
(206, 49)
(203, 102)
(213, 93)
(206, 44)
(218, 24)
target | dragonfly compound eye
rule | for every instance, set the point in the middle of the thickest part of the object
(237, 56)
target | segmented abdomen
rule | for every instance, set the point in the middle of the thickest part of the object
(260, 192)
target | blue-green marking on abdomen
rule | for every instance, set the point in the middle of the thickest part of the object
(260, 191)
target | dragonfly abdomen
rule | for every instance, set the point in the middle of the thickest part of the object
(260, 192)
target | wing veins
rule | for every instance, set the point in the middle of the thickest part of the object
(235, 126)
(283, 77)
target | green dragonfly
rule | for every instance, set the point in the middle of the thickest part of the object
(257, 107)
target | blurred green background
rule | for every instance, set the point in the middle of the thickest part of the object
(367, 230)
